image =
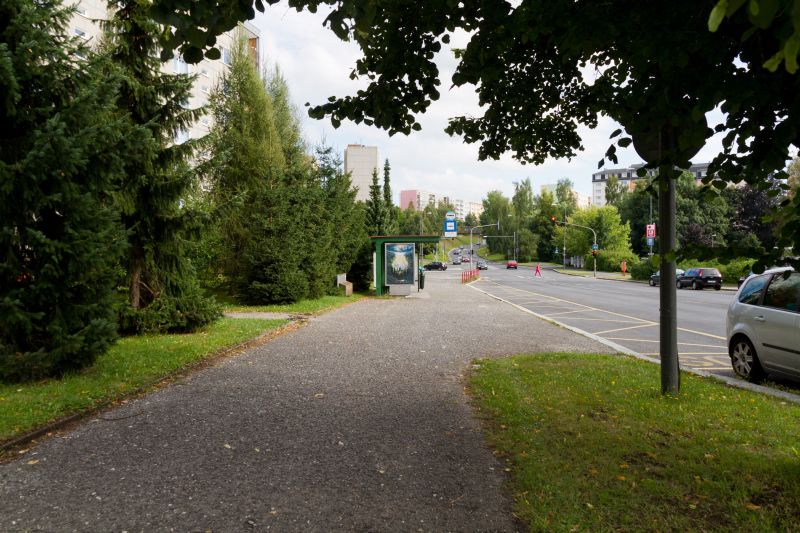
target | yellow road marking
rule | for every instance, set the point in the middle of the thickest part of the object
(656, 341)
(570, 312)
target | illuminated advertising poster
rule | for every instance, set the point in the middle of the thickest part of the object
(399, 263)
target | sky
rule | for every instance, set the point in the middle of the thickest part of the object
(316, 65)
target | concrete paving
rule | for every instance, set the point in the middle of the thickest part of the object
(356, 422)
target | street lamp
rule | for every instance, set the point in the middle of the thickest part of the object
(472, 257)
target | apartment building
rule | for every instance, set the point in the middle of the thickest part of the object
(627, 177)
(361, 161)
(85, 23)
(419, 200)
(582, 200)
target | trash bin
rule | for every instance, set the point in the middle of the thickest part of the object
(421, 279)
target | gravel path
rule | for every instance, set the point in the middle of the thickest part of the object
(356, 422)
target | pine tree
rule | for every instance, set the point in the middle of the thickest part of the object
(159, 178)
(391, 210)
(60, 152)
(376, 216)
(261, 202)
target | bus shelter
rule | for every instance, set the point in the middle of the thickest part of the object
(396, 259)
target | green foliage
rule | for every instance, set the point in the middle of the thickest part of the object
(152, 199)
(168, 314)
(377, 214)
(615, 192)
(60, 149)
(642, 270)
(612, 234)
(731, 270)
(610, 260)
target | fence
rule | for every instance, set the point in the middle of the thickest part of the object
(470, 275)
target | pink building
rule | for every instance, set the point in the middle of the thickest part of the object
(409, 197)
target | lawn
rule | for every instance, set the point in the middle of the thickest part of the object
(592, 445)
(132, 364)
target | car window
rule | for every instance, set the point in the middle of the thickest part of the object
(690, 272)
(783, 292)
(711, 272)
(751, 291)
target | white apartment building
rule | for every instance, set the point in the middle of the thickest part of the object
(85, 24)
(583, 200)
(420, 199)
(627, 177)
(361, 161)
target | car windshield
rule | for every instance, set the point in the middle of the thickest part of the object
(710, 272)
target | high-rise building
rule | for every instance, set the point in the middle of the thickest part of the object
(582, 200)
(361, 161)
(85, 23)
(627, 177)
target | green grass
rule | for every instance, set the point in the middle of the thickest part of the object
(592, 445)
(133, 363)
(318, 305)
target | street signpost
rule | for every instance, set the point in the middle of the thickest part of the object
(450, 227)
(650, 233)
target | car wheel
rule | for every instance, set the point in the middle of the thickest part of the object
(717, 287)
(745, 360)
(652, 283)
(696, 286)
(678, 284)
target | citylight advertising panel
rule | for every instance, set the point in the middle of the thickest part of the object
(399, 263)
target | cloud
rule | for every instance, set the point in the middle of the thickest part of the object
(317, 65)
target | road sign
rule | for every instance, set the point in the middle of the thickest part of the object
(450, 216)
(650, 231)
(595, 247)
(650, 241)
(450, 228)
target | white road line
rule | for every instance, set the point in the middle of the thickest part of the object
(601, 319)
(656, 341)
(623, 329)
(570, 312)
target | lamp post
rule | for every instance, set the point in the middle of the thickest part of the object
(472, 257)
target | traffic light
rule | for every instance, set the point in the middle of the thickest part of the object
(594, 252)
(553, 220)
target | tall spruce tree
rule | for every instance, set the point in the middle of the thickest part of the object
(391, 210)
(377, 214)
(261, 202)
(60, 152)
(159, 178)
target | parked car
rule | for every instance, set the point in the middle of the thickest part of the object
(456, 260)
(699, 278)
(763, 325)
(481, 265)
(655, 279)
(435, 265)
(511, 264)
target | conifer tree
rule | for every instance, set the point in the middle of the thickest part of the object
(159, 178)
(376, 216)
(391, 210)
(60, 152)
(261, 201)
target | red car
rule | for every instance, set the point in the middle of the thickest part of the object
(511, 264)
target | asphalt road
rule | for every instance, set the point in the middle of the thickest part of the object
(624, 313)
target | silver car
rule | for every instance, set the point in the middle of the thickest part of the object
(763, 325)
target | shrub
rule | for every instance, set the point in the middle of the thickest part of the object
(170, 314)
(643, 269)
(609, 260)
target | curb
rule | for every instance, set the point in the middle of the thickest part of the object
(729, 381)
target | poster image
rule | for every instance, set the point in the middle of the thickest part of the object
(399, 263)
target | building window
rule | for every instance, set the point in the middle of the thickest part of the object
(80, 10)
(204, 88)
(226, 56)
(204, 72)
(79, 32)
(204, 121)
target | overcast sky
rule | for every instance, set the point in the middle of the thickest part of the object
(317, 65)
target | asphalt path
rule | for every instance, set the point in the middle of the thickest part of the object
(357, 421)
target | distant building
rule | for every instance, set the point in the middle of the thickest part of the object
(627, 177)
(582, 200)
(361, 161)
(419, 200)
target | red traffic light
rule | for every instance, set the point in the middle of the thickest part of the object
(553, 219)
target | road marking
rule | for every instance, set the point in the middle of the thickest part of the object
(568, 312)
(599, 319)
(623, 329)
(656, 341)
(701, 333)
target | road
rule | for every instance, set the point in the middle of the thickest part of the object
(624, 313)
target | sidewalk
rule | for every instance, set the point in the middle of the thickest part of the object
(356, 422)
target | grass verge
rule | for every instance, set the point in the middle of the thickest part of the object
(130, 365)
(326, 303)
(592, 445)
